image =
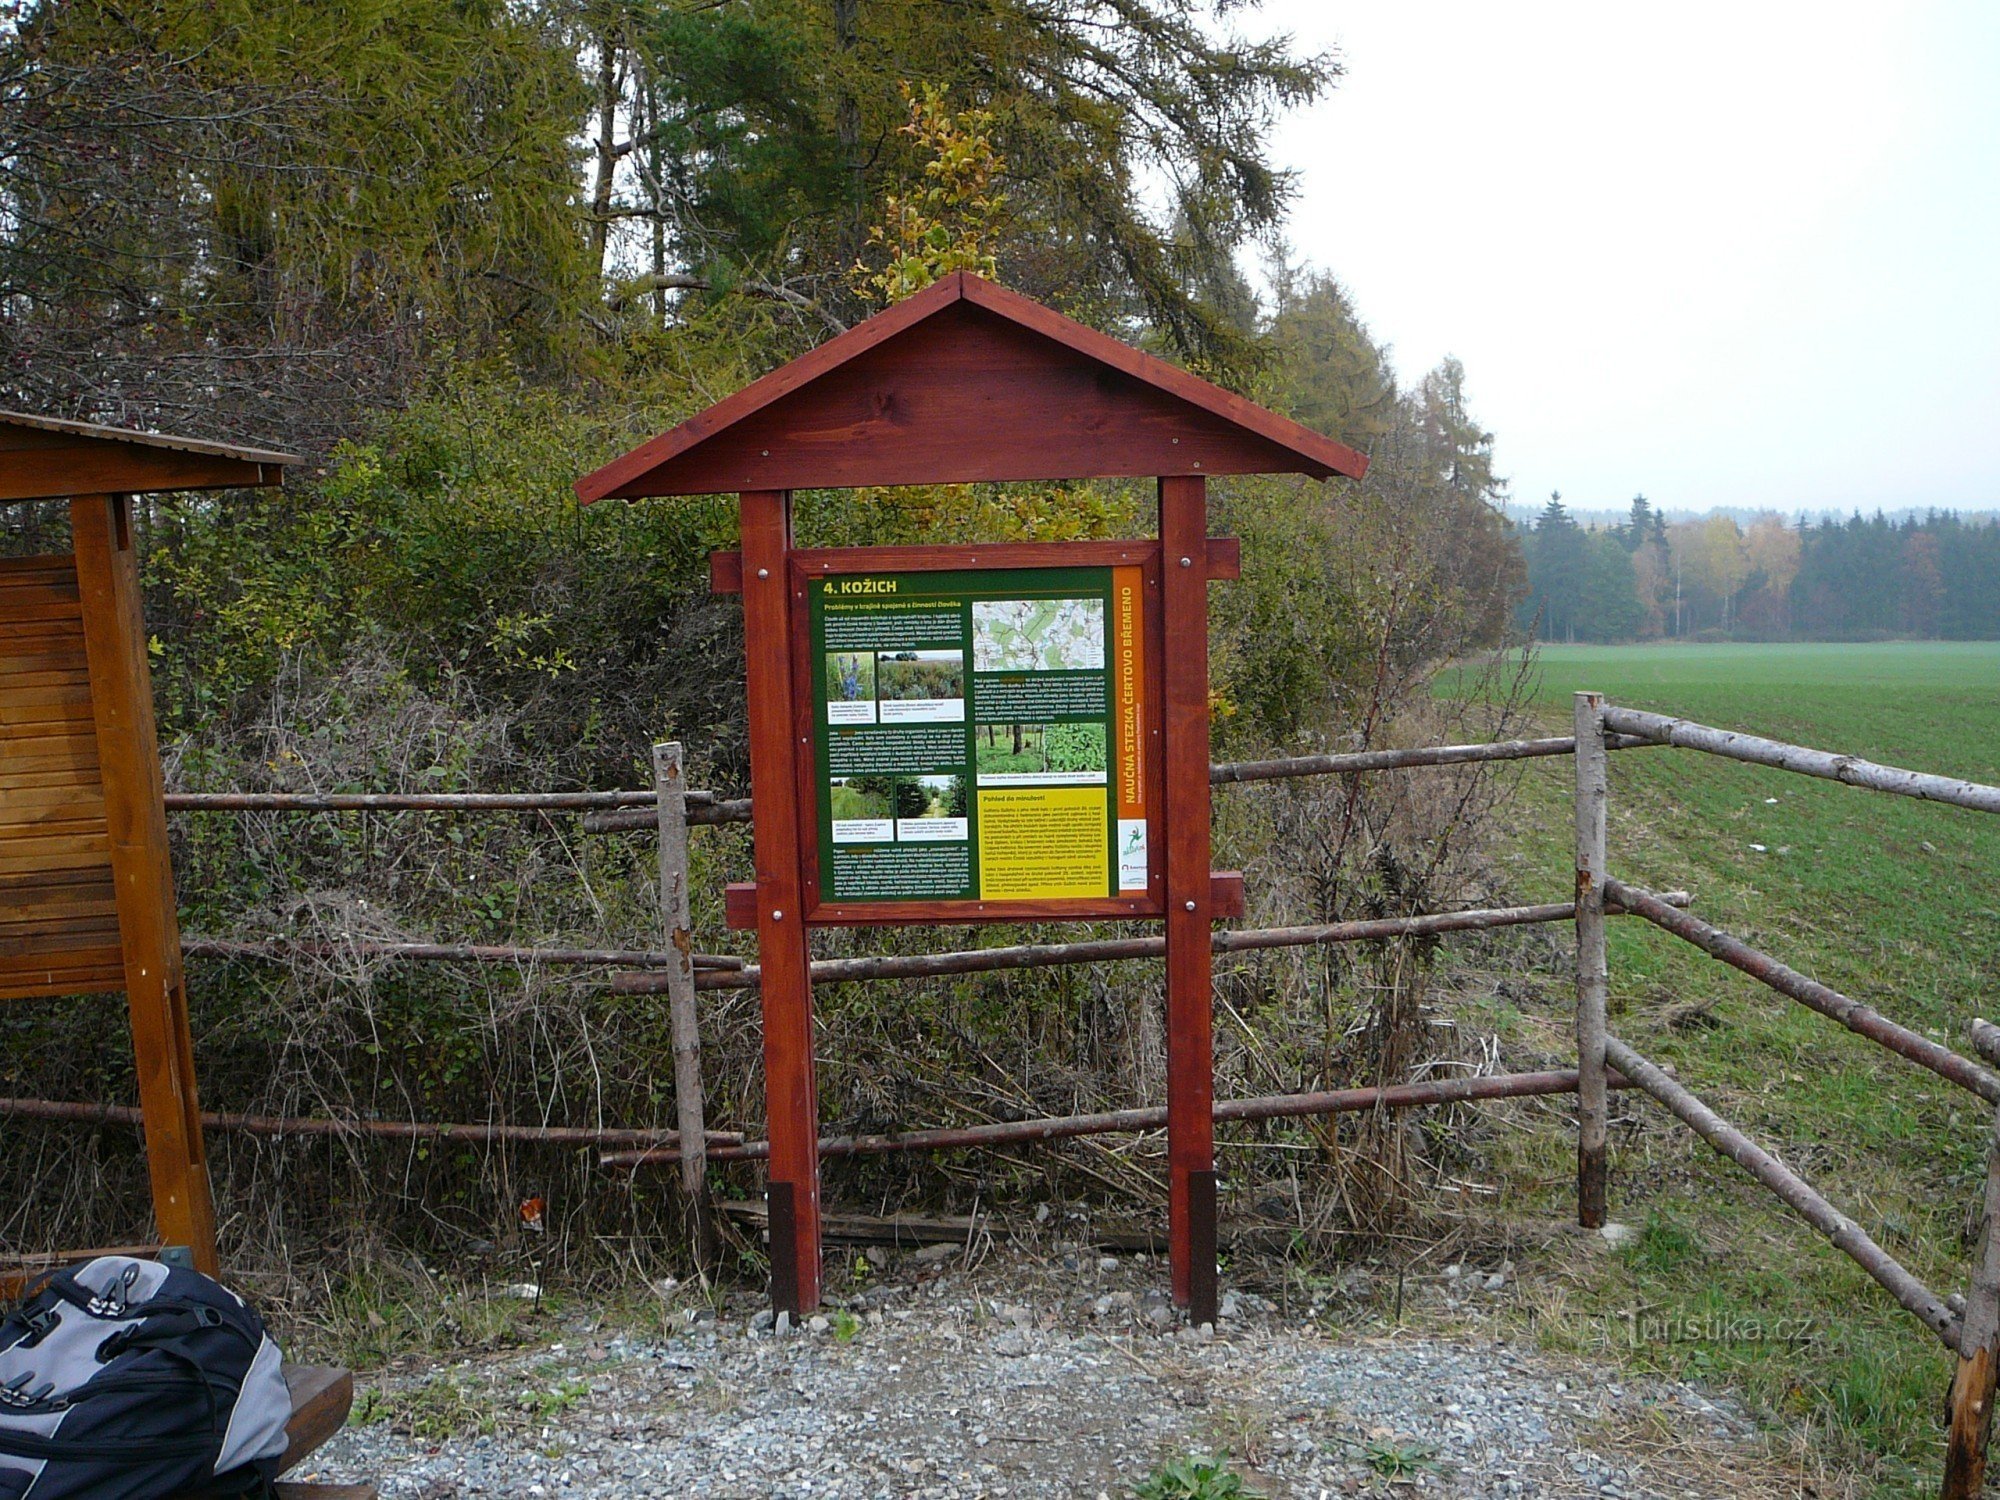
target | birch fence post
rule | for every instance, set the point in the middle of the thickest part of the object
(1592, 974)
(1970, 1408)
(670, 787)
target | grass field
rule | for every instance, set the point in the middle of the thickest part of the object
(1891, 901)
(851, 802)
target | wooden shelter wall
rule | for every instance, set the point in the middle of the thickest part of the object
(58, 909)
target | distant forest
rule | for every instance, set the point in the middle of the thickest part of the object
(1936, 577)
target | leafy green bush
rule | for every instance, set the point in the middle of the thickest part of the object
(1075, 747)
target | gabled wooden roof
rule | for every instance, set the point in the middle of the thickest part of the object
(966, 382)
(46, 458)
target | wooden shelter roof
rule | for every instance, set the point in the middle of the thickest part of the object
(46, 458)
(967, 382)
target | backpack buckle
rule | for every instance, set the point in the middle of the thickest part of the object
(41, 1323)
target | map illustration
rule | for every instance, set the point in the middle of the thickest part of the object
(1037, 635)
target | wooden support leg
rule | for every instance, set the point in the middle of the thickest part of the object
(790, 1103)
(1978, 1373)
(121, 692)
(1592, 969)
(1190, 1001)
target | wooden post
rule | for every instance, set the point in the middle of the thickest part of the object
(791, 1106)
(135, 814)
(1592, 972)
(677, 919)
(1970, 1409)
(1190, 1042)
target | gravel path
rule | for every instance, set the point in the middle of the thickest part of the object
(926, 1385)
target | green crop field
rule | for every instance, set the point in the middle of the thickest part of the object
(1891, 901)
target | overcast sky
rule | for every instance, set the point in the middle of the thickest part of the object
(1735, 253)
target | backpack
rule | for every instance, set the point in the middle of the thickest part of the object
(126, 1379)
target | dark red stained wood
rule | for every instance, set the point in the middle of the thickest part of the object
(1225, 558)
(967, 382)
(1225, 895)
(739, 908)
(791, 1106)
(813, 562)
(1190, 906)
(725, 572)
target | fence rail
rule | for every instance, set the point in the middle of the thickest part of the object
(627, 811)
(1103, 950)
(1856, 1017)
(1130, 1121)
(278, 950)
(1659, 729)
(79, 1113)
(1929, 1308)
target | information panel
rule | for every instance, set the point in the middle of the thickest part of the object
(980, 735)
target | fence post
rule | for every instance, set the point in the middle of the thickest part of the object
(1592, 973)
(670, 785)
(1970, 1408)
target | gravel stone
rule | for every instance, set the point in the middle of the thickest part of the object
(950, 1395)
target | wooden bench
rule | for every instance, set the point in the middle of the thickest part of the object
(321, 1398)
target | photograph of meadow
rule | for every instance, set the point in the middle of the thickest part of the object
(911, 676)
(856, 797)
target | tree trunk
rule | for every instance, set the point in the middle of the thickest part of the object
(847, 132)
(607, 145)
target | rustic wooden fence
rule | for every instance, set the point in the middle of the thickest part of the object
(1968, 1325)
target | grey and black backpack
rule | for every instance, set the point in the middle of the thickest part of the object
(130, 1380)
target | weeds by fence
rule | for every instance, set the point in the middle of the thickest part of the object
(1969, 1325)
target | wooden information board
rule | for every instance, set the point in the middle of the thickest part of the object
(984, 738)
(1007, 732)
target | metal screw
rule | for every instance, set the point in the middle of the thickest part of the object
(766, 452)
(777, 916)
(763, 572)
(1190, 906)
(1187, 562)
